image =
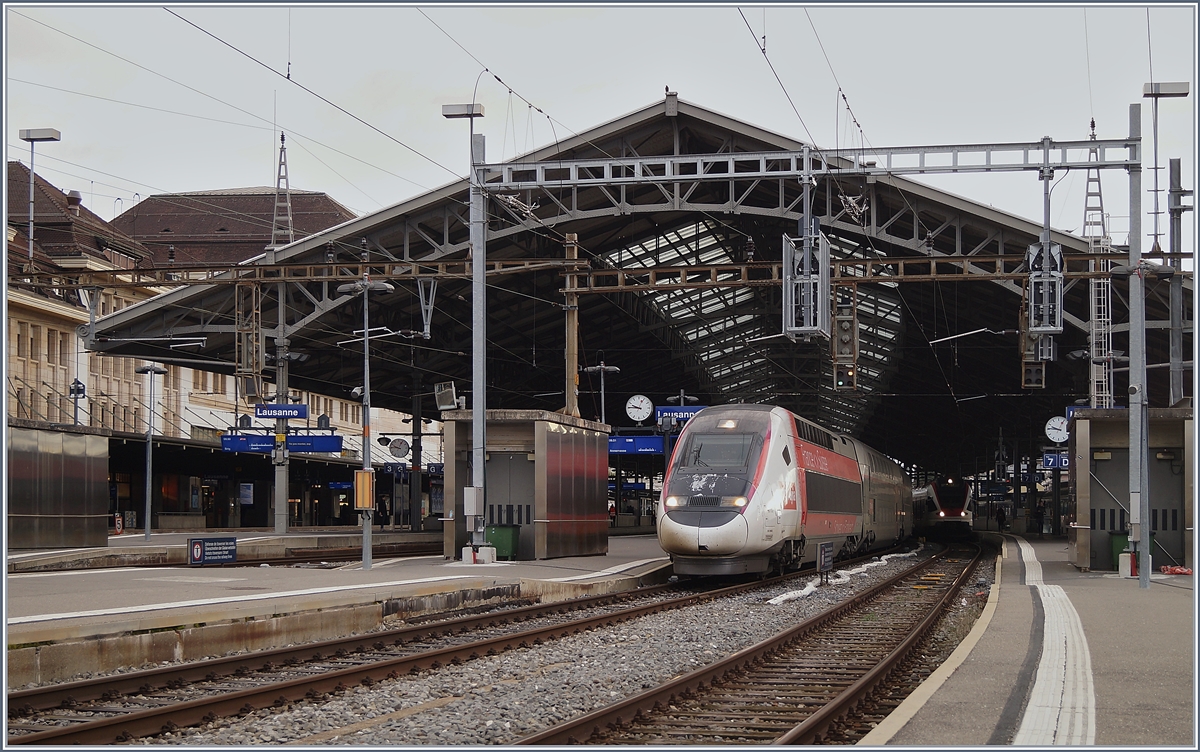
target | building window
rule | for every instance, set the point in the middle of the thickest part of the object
(219, 383)
(52, 346)
(35, 340)
(199, 380)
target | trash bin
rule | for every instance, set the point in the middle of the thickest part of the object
(1120, 542)
(505, 539)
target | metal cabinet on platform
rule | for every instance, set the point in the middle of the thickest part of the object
(546, 472)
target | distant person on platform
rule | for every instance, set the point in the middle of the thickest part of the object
(1000, 518)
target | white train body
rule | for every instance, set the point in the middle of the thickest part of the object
(944, 506)
(753, 488)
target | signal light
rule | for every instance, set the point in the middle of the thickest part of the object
(1033, 375)
(843, 377)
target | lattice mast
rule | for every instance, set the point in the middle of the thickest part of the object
(1095, 231)
(282, 229)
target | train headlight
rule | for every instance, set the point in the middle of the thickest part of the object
(733, 501)
(962, 513)
(941, 514)
(674, 501)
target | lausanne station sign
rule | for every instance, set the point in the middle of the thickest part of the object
(267, 410)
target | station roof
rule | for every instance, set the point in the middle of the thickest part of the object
(939, 406)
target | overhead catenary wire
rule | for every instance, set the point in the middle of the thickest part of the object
(327, 101)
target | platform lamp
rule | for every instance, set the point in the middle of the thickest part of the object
(150, 370)
(474, 502)
(602, 369)
(34, 135)
(364, 489)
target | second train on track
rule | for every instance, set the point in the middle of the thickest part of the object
(756, 488)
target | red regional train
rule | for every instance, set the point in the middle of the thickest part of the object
(944, 508)
(756, 488)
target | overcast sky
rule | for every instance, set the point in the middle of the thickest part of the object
(155, 100)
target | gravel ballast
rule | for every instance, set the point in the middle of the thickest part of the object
(500, 699)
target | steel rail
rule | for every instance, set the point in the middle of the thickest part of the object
(109, 687)
(149, 722)
(582, 728)
(818, 723)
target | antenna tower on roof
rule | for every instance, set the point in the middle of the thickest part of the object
(282, 230)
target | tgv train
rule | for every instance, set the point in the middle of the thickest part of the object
(755, 488)
(944, 507)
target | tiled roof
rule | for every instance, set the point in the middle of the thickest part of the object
(223, 226)
(58, 230)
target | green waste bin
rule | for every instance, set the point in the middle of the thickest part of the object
(505, 538)
(1120, 542)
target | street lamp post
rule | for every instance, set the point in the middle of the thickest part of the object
(475, 510)
(365, 286)
(602, 369)
(150, 371)
(33, 135)
(77, 392)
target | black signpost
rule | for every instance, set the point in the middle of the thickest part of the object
(825, 561)
(203, 551)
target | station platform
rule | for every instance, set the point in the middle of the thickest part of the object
(63, 624)
(1058, 657)
(1062, 657)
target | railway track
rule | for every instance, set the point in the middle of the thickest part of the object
(791, 688)
(127, 706)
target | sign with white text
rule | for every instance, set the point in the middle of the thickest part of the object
(267, 410)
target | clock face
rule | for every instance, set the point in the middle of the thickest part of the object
(1056, 429)
(639, 407)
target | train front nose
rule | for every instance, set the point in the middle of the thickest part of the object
(699, 533)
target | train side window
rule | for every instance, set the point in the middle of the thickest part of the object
(1102, 519)
(1153, 519)
(1174, 519)
(1112, 519)
(1122, 519)
(787, 456)
(1092, 521)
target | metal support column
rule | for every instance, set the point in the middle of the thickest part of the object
(1139, 498)
(478, 338)
(1176, 208)
(414, 475)
(572, 317)
(280, 457)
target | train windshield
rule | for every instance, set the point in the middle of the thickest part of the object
(718, 450)
(723, 440)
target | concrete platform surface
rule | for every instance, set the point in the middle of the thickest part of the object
(1062, 657)
(41, 605)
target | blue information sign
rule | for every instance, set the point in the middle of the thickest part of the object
(267, 410)
(682, 414)
(314, 443)
(247, 442)
(635, 445)
(211, 550)
(341, 485)
(257, 442)
(1053, 460)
